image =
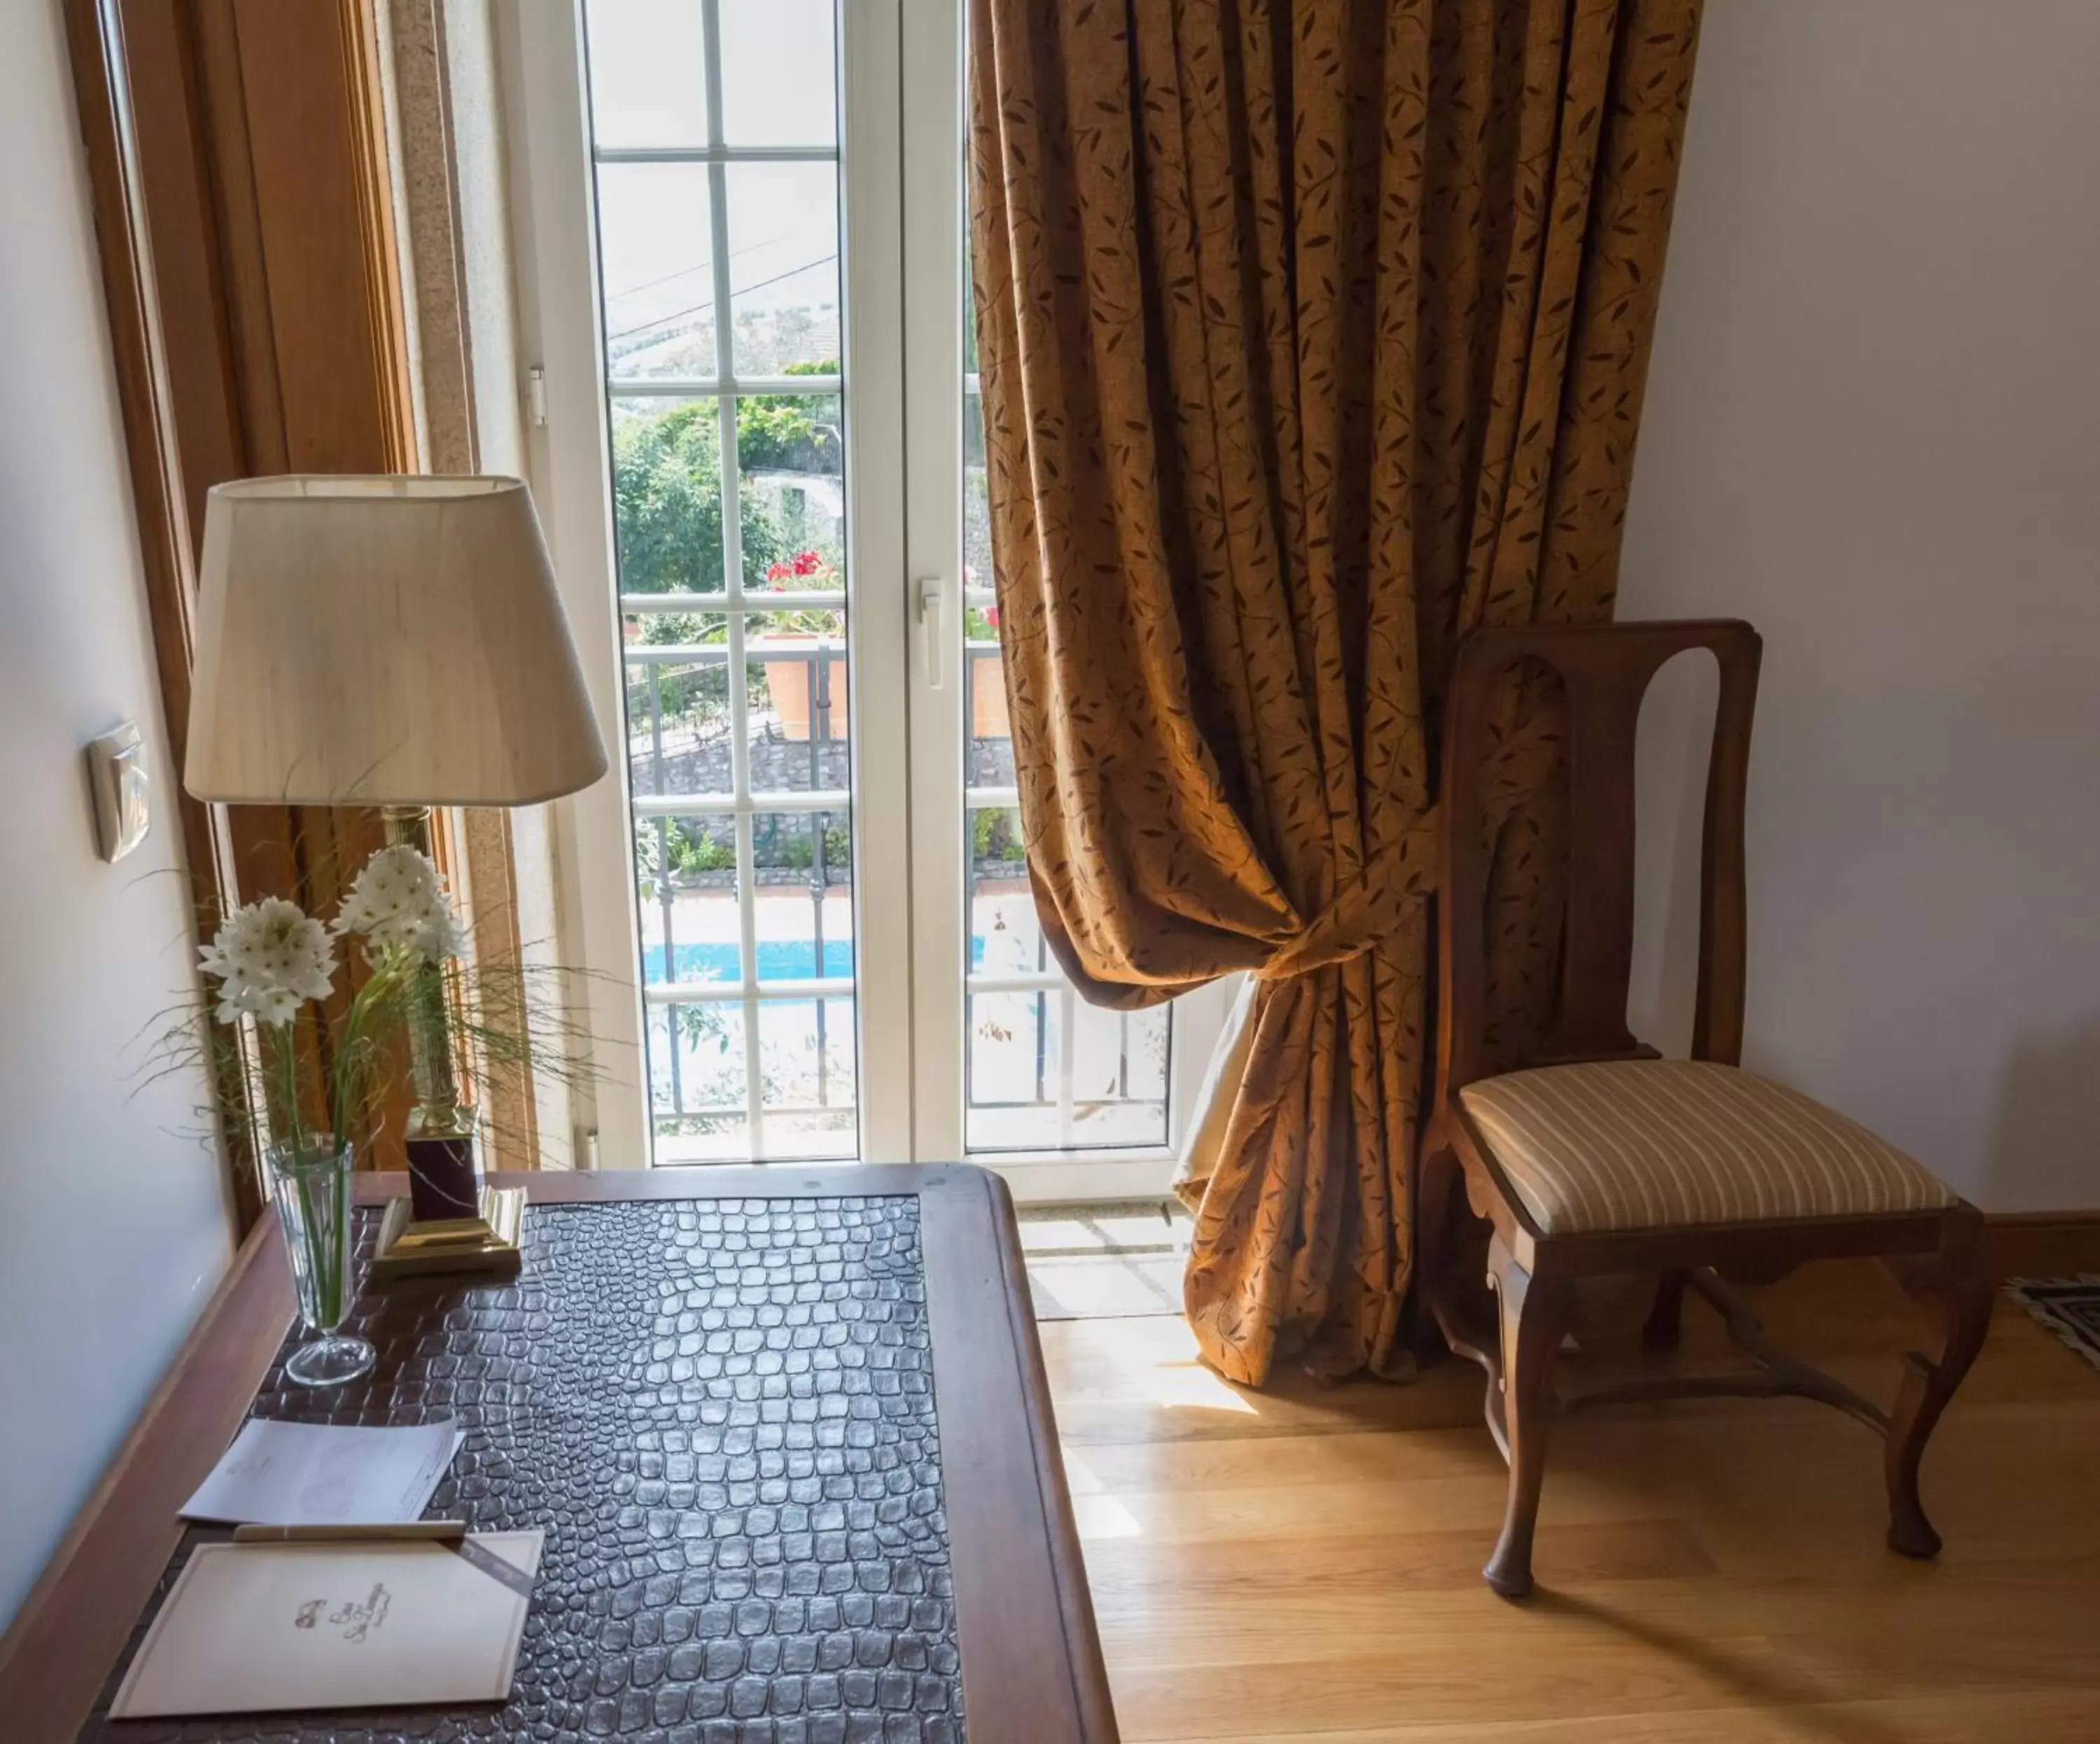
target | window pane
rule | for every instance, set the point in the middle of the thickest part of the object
(648, 72)
(798, 629)
(724, 704)
(798, 713)
(791, 492)
(991, 731)
(991, 734)
(1025, 1093)
(783, 250)
(679, 713)
(806, 1050)
(685, 875)
(666, 495)
(1012, 1086)
(678, 717)
(696, 1079)
(779, 72)
(656, 261)
(802, 866)
(977, 504)
(1006, 938)
(1044, 1070)
(1118, 1076)
(969, 323)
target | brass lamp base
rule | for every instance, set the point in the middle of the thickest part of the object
(486, 1244)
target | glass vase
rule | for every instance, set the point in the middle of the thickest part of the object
(316, 1191)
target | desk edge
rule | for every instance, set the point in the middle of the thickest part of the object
(58, 1652)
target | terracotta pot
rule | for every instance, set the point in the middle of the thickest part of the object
(788, 683)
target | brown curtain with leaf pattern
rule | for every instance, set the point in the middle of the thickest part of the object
(1313, 336)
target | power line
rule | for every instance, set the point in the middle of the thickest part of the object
(735, 291)
(686, 272)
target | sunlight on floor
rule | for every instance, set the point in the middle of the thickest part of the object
(1302, 1565)
(1106, 1261)
(1080, 1478)
(1196, 1388)
(1101, 1516)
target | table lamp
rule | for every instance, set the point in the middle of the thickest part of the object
(395, 642)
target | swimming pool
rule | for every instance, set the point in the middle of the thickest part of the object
(778, 960)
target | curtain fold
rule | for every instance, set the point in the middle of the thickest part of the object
(1312, 334)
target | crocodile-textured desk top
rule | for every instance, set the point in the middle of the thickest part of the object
(722, 1412)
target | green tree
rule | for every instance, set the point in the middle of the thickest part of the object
(667, 517)
(667, 505)
(667, 485)
(795, 433)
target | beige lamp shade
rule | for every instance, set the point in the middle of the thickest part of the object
(384, 642)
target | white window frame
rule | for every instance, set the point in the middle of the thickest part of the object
(554, 238)
(901, 90)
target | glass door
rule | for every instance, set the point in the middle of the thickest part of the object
(1044, 1073)
(716, 169)
(744, 265)
(1016, 1072)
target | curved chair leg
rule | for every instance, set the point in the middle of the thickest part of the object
(1535, 1314)
(1969, 1293)
(1665, 1319)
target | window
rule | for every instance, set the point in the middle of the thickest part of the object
(718, 269)
(765, 465)
(1044, 1070)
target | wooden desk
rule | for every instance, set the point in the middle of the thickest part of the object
(1030, 1663)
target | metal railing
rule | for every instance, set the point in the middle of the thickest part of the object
(660, 809)
(779, 859)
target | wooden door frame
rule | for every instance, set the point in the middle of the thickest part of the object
(267, 333)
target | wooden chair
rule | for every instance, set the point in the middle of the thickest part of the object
(1601, 1157)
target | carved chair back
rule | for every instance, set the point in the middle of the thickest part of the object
(1604, 672)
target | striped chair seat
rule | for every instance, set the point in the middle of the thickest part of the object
(1666, 1144)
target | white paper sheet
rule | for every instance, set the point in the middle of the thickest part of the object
(325, 1475)
(254, 1628)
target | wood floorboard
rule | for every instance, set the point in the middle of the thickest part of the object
(1998, 1716)
(1304, 1564)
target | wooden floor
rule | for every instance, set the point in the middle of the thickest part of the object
(1304, 1564)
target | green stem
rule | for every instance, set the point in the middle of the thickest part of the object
(316, 1251)
(321, 1236)
(279, 1063)
(342, 1082)
(332, 1277)
(371, 1012)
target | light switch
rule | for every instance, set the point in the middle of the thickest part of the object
(117, 772)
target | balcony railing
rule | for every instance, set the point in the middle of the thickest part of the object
(695, 980)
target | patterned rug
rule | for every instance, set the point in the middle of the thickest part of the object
(2069, 1307)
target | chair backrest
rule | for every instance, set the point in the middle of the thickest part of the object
(1605, 672)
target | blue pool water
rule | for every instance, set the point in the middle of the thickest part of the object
(778, 960)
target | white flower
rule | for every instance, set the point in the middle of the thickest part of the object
(270, 959)
(399, 902)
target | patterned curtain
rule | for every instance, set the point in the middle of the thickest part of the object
(1312, 334)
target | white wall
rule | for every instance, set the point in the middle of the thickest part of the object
(113, 1229)
(1872, 428)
